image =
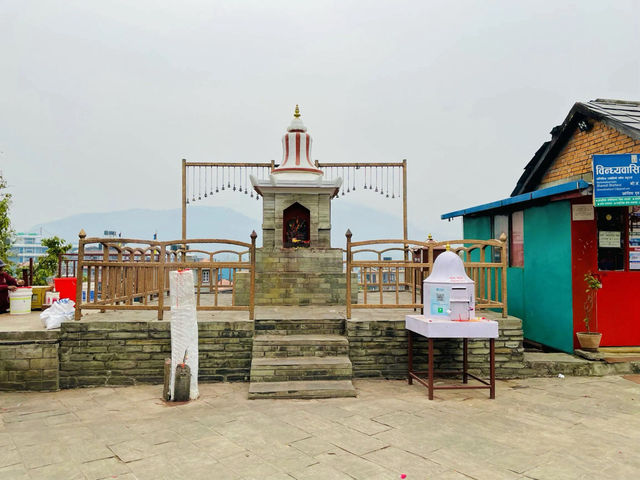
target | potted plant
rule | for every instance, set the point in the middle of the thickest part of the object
(589, 340)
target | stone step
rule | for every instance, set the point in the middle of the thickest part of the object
(299, 326)
(300, 346)
(302, 389)
(300, 368)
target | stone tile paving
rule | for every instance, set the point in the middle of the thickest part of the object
(571, 428)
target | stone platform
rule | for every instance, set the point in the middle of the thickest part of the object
(297, 276)
(129, 347)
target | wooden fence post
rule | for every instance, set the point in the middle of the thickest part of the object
(252, 289)
(161, 277)
(405, 232)
(348, 234)
(79, 271)
(184, 199)
(503, 256)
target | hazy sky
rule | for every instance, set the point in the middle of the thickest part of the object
(99, 100)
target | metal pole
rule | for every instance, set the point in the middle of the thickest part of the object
(348, 235)
(410, 355)
(404, 207)
(505, 264)
(161, 281)
(184, 199)
(252, 290)
(78, 313)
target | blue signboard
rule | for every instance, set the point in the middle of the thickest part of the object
(616, 180)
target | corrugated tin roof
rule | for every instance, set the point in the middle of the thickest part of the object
(520, 199)
(624, 112)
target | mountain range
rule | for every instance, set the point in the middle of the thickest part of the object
(220, 222)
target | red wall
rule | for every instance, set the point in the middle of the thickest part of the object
(617, 310)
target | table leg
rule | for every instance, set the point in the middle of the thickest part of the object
(410, 359)
(492, 367)
(430, 369)
(465, 359)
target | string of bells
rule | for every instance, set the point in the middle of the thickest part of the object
(209, 180)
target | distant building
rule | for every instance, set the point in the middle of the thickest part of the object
(26, 246)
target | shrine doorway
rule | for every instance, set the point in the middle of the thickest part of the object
(295, 228)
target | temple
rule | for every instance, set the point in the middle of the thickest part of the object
(296, 264)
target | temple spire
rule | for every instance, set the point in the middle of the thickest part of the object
(296, 114)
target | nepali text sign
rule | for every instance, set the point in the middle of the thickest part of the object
(616, 180)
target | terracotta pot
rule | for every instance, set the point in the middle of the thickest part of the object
(589, 341)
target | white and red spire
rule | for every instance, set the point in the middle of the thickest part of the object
(296, 150)
(296, 172)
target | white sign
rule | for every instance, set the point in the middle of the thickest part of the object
(609, 239)
(582, 212)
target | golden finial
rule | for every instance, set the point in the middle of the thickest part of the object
(448, 247)
(297, 112)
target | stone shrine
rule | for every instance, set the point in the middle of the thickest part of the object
(296, 264)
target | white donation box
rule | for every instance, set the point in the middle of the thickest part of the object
(448, 292)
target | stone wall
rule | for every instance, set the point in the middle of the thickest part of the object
(29, 361)
(379, 349)
(297, 276)
(126, 353)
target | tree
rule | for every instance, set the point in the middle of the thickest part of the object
(47, 265)
(6, 232)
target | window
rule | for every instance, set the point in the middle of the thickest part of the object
(516, 239)
(611, 224)
(500, 226)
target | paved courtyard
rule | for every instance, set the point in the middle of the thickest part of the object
(554, 428)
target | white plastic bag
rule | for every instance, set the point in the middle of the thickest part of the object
(61, 311)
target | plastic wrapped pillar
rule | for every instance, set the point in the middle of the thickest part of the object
(184, 328)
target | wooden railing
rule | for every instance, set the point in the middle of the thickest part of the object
(397, 282)
(133, 274)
